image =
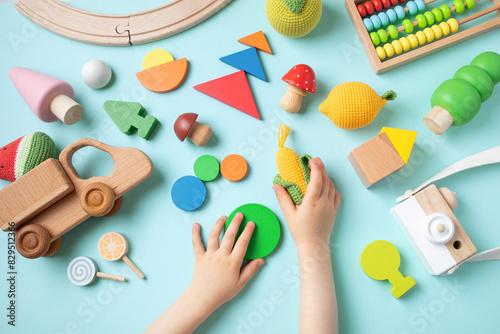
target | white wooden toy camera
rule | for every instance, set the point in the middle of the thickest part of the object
(428, 222)
(426, 217)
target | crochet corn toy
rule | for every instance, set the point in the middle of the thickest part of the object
(24, 154)
(352, 105)
(293, 18)
(293, 172)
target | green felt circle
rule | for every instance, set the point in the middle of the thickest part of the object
(206, 168)
(267, 231)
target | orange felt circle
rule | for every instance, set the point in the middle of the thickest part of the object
(234, 167)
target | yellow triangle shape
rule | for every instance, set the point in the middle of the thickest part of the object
(402, 140)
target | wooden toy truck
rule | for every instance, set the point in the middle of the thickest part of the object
(52, 199)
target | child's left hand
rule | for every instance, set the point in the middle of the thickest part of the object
(217, 277)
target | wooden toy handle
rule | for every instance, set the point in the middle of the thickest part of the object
(132, 266)
(66, 156)
(111, 277)
(131, 166)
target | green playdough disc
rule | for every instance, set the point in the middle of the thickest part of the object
(206, 168)
(267, 231)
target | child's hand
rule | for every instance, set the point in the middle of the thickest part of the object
(311, 222)
(217, 277)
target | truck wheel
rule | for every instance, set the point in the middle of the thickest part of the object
(54, 247)
(97, 199)
(32, 241)
(116, 207)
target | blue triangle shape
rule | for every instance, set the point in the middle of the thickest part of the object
(246, 60)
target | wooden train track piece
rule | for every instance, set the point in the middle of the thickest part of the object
(119, 30)
(380, 66)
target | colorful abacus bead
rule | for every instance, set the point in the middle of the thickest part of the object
(412, 7)
(459, 6)
(420, 38)
(420, 5)
(361, 10)
(421, 20)
(377, 4)
(370, 7)
(382, 19)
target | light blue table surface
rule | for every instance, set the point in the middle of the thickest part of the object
(159, 233)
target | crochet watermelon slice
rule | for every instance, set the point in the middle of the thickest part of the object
(24, 154)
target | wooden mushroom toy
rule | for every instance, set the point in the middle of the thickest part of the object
(301, 80)
(186, 126)
(49, 98)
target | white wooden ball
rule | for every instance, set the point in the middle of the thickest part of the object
(96, 74)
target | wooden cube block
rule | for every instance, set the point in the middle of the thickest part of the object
(375, 160)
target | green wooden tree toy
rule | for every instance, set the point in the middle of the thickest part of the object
(457, 101)
(128, 116)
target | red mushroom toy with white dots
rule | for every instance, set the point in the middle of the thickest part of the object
(301, 80)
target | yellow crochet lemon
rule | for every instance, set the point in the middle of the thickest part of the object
(293, 18)
(353, 105)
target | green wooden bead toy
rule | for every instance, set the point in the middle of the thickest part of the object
(457, 101)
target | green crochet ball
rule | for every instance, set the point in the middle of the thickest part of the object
(293, 18)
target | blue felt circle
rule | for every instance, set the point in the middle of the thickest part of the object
(189, 193)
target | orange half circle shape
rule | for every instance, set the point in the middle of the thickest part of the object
(164, 78)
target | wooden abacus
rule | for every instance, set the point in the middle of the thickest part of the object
(369, 15)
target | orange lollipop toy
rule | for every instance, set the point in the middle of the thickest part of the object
(113, 246)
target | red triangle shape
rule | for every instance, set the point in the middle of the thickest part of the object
(233, 90)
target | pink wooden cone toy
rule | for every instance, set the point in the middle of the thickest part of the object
(48, 97)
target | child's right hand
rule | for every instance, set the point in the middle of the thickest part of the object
(311, 223)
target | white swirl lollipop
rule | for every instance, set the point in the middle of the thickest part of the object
(83, 271)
